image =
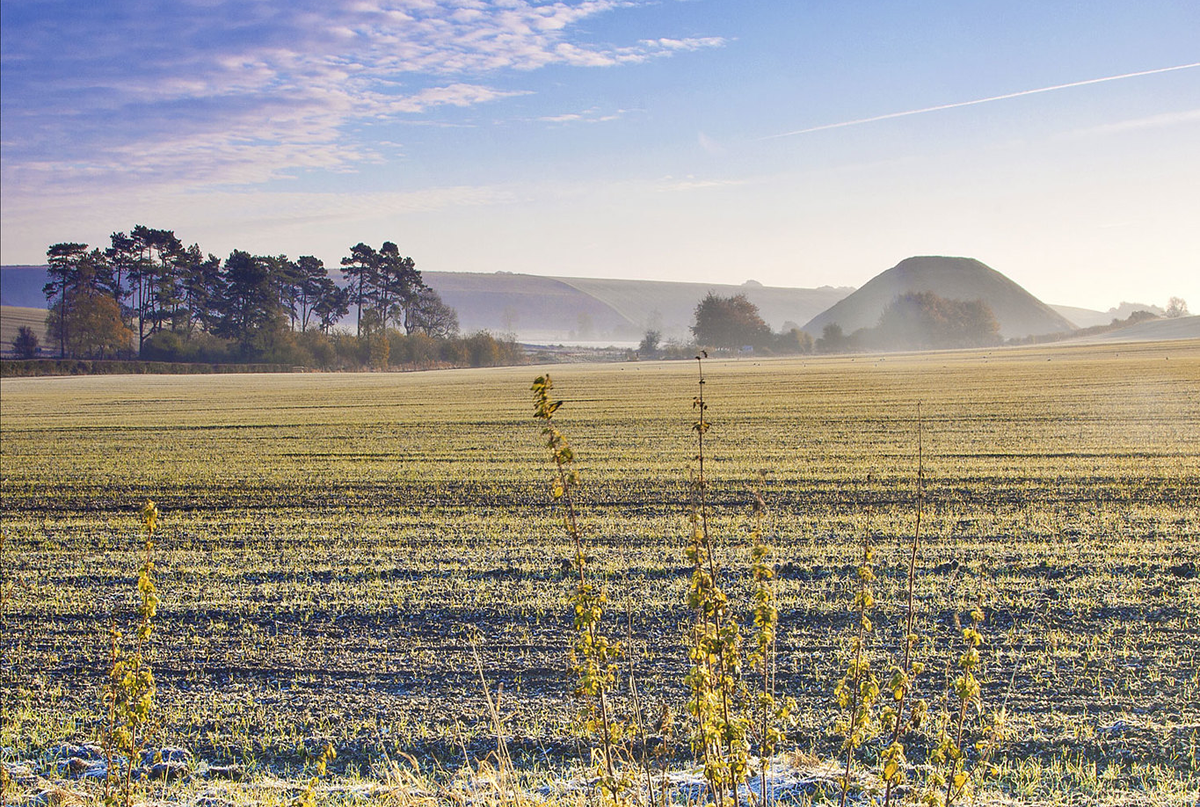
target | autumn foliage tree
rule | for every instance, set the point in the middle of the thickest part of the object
(87, 324)
(84, 318)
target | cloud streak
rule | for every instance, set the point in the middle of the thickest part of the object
(590, 115)
(1162, 121)
(977, 101)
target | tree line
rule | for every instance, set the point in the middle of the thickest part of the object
(911, 321)
(919, 320)
(731, 324)
(145, 295)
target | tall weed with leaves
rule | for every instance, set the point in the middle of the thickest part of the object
(714, 646)
(128, 693)
(769, 713)
(858, 690)
(594, 655)
(952, 771)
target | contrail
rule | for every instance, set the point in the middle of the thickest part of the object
(958, 104)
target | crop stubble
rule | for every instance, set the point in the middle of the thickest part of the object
(330, 545)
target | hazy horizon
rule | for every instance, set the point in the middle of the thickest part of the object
(712, 141)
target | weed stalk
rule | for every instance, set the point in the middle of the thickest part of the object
(858, 689)
(893, 718)
(594, 655)
(770, 714)
(713, 680)
(129, 691)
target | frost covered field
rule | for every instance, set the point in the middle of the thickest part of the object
(342, 558)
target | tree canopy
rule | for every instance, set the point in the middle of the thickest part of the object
(729, 322)
(924, 320)
(147, 294)
(919, 320)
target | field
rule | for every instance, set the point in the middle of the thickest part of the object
(11, 320)
(340, 557)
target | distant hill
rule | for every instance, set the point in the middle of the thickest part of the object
(11, 320)
(1018, 312)
(553, 309)
(1155, 330)
(534, 308)
(557, 308)
(22, 286)
(1087, 318)
(1082, 317)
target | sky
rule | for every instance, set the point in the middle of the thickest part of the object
(791, 142)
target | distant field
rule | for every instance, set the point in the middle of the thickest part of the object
(1153, 331)
(330, 544)
(13, 317)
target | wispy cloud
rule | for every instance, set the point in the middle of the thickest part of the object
(229, 91)
(690, 183)
(591, 115)
(460, 95)
(959, 104)
(695, 43)
(709, 145)
(1140, 124)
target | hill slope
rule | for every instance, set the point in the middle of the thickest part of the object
(670, 306)
(553, 309)
(1155, 330)
(1018, 312)
(13, 317)
(21, 286)
(535, 308)
(557, 308)
(1087, 318)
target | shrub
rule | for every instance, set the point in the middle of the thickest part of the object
(26, 344)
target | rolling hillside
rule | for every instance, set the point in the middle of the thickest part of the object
(21, 286)
(1087, 318)
(553, 309)
(1018, 312)
(1155, 330)
(550, 310)
(561, 308)
(13, 317)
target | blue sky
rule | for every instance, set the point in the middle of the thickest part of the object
(665, 139)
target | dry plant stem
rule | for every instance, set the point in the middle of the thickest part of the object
(768, 696)
(638, 715)
(503, 763)
(951, 791)
(720, 731)
(910, 612)
(700, 514)
(856, 702)
(133, 733)
(701, 488)
(110, 706)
